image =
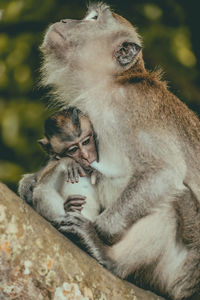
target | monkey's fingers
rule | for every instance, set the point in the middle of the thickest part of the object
(74, 204)
(81, 171)
(74, 218)
(75, 209)
(66, 176)
(69, 208)
(76, 224)
(75, 197)
(71, 175)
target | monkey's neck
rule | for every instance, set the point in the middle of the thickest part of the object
(138, 73)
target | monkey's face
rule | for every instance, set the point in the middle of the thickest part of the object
(77, 145)
(101, 45)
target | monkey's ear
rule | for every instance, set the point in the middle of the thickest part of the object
(45, 144)
(126, 53)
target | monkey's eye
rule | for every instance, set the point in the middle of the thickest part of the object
(71, 150)
(92, 16)
(86, 141)
(57, 157)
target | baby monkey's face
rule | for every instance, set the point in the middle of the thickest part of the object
(77, 144)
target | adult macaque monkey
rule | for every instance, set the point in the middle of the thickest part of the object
(71, 144)
(149, 144)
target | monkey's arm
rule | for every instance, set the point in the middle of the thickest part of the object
(49, 203)
(29, 181)
(50, 196)
(152, 185)
(72, 170)
(47, 197)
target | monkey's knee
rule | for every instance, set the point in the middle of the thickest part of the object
(26, 186)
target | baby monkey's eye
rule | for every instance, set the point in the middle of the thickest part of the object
(71, 150)
(86, 141)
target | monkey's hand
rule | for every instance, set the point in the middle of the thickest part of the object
(26, 187)
(73, 170)
(81, 231)
(74, 203)
(108, 232)
(74, 223)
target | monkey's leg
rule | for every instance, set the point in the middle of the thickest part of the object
(49, 203)
(149, 252)
(148, 248)
(188, 223)
(147, 189)
(162, 251)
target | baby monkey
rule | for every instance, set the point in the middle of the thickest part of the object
(67, 182)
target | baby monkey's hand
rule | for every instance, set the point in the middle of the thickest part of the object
(73, 170)
(74, 203)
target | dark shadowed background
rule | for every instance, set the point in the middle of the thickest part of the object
(170, 31)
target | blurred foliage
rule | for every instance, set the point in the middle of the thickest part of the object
(170, 31)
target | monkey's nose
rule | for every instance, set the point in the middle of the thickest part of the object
(68, 21)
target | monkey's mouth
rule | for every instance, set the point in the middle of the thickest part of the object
(53, 38)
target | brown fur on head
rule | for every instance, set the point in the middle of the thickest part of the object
(64, 126)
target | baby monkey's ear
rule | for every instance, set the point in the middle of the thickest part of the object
(127, 53)
(45, 145)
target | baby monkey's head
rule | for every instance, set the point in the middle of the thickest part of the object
(69, 133)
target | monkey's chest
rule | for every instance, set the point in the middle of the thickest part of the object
(110, 189)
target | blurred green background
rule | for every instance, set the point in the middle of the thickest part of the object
(170, 30)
